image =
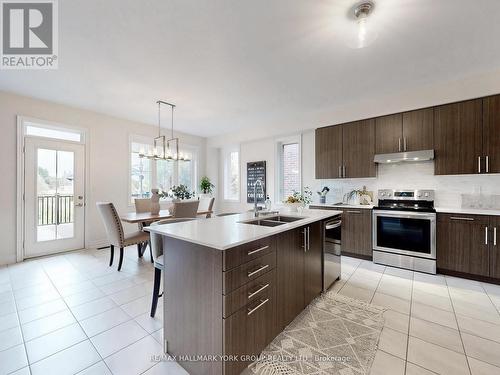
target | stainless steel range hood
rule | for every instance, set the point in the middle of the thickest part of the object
(399, 157)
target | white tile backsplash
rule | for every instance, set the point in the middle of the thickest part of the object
(449, 189)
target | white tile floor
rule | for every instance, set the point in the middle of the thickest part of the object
(72, 314)
(434, 324)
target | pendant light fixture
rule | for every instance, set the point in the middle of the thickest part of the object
(165, 148)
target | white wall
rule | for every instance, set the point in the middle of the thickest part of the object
(108, 143)
(389, 176)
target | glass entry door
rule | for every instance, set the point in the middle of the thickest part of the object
(54, 196)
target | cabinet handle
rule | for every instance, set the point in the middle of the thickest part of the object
(262, 303)
(261, 288)
(340, 171)
(343, 171)
(399, 144)
(462, 218)
(257, 250)
(250, 274)
(479, 164)
(304, 232)
(494, 236)
(308, 238)
(404, 141)
(353, 212)
(487, 164)
(486, 235)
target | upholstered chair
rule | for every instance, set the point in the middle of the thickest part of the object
(116, 235)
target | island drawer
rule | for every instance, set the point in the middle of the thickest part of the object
(241, 254)
(248, 331)
(249, 271)
(248, 293)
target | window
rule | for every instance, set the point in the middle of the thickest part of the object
(289, 176)
(36, 129)
(141, 176)
(146, 174)
(232, 175)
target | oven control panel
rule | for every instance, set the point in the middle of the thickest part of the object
(420, 195)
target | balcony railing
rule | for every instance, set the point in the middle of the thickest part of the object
(55, 209)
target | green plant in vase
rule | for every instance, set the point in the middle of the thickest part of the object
(206, 186)
(180, 192)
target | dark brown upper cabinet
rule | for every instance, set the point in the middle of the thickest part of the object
(409, 131)
(458, 138)
(418, 130)
(346, 151)
(491, 134)
(389, 134)
(358, 140)
(329, 152)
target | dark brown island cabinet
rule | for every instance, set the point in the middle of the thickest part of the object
(465, 137)
(469, 246)
(234, 302)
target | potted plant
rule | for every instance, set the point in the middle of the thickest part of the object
(298, 200)
(206, 186)
(363, 197)
(322, 194)
(179, 192)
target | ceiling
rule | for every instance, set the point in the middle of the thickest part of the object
(231, 65)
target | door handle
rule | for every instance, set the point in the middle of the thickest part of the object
(79, 205)
(486, 235)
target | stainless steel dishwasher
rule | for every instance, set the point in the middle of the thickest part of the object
(332, 247)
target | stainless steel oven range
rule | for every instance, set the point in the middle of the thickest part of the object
(404, 230)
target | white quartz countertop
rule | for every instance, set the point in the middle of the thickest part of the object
(338, 205)
(470, 211)
(228, 231)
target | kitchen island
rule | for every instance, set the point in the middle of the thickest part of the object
(233, 283)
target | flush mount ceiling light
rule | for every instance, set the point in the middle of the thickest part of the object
(163, 148)
(365, 33)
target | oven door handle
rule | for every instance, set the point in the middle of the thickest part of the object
(333, 225)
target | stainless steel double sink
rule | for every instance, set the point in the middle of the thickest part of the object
(273, 221)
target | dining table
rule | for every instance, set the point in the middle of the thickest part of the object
(146, 218)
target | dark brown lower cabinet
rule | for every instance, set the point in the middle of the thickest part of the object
(313, 264)
(357, 233)
(495, 247)
(300, 277)
(248, 331)
(463, 244)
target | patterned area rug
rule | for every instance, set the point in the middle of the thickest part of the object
(333, 335)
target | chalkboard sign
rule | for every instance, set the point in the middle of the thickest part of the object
(256, 170)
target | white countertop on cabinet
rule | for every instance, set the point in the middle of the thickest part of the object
(225, 232)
